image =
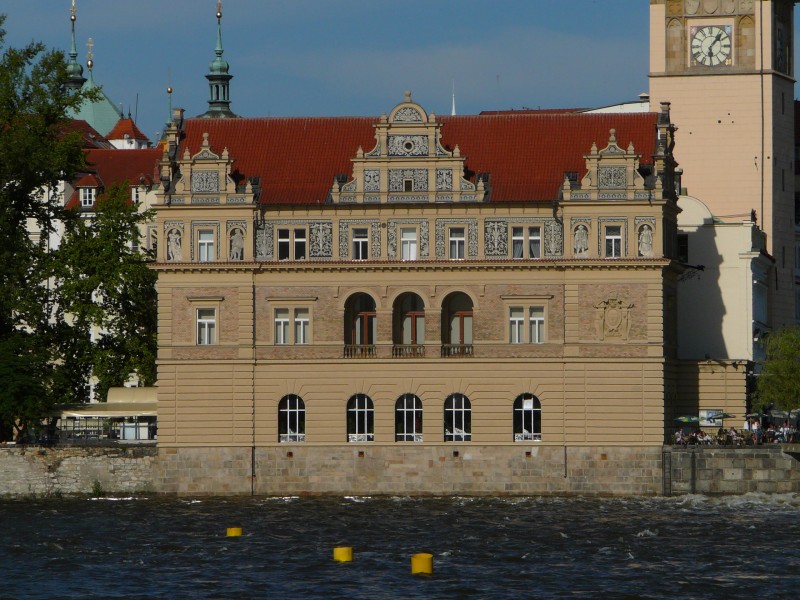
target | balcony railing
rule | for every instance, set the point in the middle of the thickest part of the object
(457, 350)
(408, 351)
(292, 437)
(359, 351)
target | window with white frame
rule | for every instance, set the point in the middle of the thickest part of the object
(87, 197)
(206, 326)
(408, 419)
(613, 238)
(457, 418)
(291, 419)
(527, 418)
(292, 243)
(536, 321)
(516, 318)
(135, 194)
(281, 326)
(360, 419)
(408, 243)
(205, 245)
(301, 322)
(360, 243)
(526, 242)
(456, 241)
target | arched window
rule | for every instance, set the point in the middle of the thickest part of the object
(360, 326)
(408, 326)
(457, 418)
(527, 418)
(360, 419)
(457, 325)
(408, 419)
(291, 419)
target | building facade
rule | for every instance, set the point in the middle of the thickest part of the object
(411, 289)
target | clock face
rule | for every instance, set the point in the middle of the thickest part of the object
(711, 45)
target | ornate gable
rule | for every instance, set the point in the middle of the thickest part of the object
(204, 178)
(408, 164)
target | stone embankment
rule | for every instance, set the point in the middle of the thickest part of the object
(40, 471)
(472, 470)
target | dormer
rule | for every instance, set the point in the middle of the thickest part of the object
(612, 174)
(87, 189)
(408, 164)
(204, 177)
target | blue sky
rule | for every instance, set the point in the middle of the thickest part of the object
(352, 57)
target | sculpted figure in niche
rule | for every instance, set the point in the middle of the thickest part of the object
(237, 244)
(174, 245)
(646, 241)
(581, 246)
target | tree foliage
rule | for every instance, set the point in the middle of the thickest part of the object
(779, 381)
(108, 290)
(47, 355)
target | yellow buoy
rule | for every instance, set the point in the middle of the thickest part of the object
(343, 554)
(234, 531)
(422, 564)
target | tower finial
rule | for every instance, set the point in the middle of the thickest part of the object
(453, 109)
(75, 78)
(219, 103)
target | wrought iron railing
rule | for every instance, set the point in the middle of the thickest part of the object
(457, 350)
(359, 351)
(408, 351)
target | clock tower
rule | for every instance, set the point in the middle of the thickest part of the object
(727, 68)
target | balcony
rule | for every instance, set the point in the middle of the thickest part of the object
(359, 351)
(457, 351)
(408, 351)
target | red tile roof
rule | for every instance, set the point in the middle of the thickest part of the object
(107, 167)
(526, 152)
(91, 137)
(126, 127)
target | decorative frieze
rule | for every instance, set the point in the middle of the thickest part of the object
(553, 238)
(407, 114)
(418, 177)
(203, 182)
(495, 239)
(444, 180)
(407, 145)
(372, 180)
(612, 178)
(320, 239)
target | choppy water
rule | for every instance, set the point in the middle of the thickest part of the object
(689, 547)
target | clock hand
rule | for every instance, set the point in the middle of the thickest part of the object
(714, 43)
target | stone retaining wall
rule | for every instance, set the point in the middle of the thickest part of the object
(715, 471)
(399, 470)
(37, 471)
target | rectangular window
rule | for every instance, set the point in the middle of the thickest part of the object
(301, 325)
(516, 325)
(536, 319)
(683, 248)
(526, 243)
(281, 326)
(205, 245)
(360, 243)
(87, 197)
(299, 244)
(456, 243)
(535, 242)
(284, 244)
(408, 244)
(613, 241)
(292, 244)
(135, 194)
(206, 326)
(517, 242)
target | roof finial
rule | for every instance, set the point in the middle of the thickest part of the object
(90, 54)
(74, 70)
(408, 95)
(219, 79)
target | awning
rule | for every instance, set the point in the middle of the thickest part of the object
(122, 402)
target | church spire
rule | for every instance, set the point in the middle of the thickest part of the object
(219, 103)
(75, 78)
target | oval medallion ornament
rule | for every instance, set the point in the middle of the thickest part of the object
(692, 7)
(711, 6)
(728, 6)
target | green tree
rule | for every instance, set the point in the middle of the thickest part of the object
(779, 381)
(37, 151)
(106, 287)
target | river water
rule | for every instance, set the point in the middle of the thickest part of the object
(144, 547)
